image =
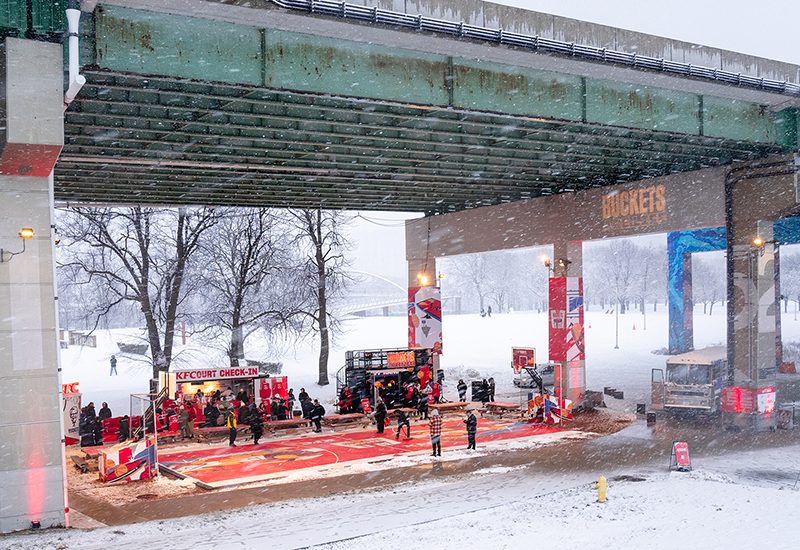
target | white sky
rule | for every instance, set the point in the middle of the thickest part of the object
(766, 28)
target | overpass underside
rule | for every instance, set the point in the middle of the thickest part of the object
(181, 109)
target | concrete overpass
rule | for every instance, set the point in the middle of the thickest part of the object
(221, 103)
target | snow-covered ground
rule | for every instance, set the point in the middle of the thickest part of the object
(749, 498)
(471, 344)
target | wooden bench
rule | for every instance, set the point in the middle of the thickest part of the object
(499, 409)
(81, 464)
(445, 407)
(273, 425)
(334, 419)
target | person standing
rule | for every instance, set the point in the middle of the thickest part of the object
(435, 424)
(462, 390)
(230, 422)
(303, 396)
(472, 427)
(488, 311)
(256, 425)
(183, 421)
(484, 391)
(104, 413)
(491, 389)
(402, 420)
(380, 415)
(290, 402)
(316, 416)
(436, 392)
(113, 362)
(422, 406)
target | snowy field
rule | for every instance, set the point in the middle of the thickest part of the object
(472, 345)
(751, 496)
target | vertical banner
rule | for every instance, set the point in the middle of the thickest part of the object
(263, 389)
(425, 318)
(280, 386)
(71, 405)
(557, 313)
(574, 326)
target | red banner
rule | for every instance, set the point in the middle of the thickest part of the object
(425, 318)
(280, 386)
(557, 321)
(215, 374)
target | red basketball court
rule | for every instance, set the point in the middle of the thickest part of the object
(218, 467)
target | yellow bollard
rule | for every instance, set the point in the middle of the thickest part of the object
(602, 485)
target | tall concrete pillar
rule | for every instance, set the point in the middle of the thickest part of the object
(752, 323)
(32, 470)
(565, 316)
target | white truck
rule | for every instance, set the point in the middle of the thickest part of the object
(693, 381)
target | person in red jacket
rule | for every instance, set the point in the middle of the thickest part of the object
(436, 391)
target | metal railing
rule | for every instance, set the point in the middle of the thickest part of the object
(536, 43)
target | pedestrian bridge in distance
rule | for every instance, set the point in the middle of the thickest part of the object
(306, 104)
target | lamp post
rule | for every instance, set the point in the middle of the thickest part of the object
(616, 326)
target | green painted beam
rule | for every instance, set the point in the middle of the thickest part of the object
(730, 119)
(787, 124)
(152, 43)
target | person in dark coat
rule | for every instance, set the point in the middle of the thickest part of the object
(485, 391)
(380, 415)
(242, 396)
(472, 427)
(211, 414)
(316, 416)
(462, 390)
(403, 420)
(290, 401)
(491, 389)
(124, 428)
(104, 413)
(243, 414)
(303, 396)
(422, 406)
(256, 425)
(307, 406)
(113, 362)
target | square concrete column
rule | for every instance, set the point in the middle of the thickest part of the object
(32, 469)
(752, 317)
(565, 319)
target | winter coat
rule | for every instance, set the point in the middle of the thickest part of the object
(462, 388)
(104, 413)
(307, 407)
(230, 420)
(472, 423)
(435, 424)
(317, 412)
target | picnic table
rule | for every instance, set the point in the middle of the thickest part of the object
(334, 419)
(272, 425)
(444, 407)
(499, 409)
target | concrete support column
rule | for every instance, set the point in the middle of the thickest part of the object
(32, 469)
(752, 318)
(565, 316)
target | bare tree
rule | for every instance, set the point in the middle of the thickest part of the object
(708, 280)
(137, 254)
(244, 262)
(319, 237)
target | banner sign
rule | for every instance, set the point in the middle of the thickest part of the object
(215, 374)
(522, 357)
(736, 399)
(679, 460)
(425, 318)
(566, 319)
(280, 386)
(71, 407)
(397, 359)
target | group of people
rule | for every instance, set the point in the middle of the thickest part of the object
(90, 424)
(434, 426)
(486, 390)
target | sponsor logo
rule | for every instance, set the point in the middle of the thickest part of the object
(639, 207)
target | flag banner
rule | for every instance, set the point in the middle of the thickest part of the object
(425, 318)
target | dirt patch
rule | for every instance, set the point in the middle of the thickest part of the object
(602, 421)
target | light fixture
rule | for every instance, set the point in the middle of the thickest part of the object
(758, 242)
(25, 233)
(563, 262)
(423, 279)
(545, 260)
